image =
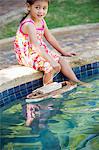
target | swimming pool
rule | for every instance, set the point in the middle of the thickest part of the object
(68, 123)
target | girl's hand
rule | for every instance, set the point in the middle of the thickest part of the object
(69, 54)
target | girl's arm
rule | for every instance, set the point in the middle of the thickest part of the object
(29, 28)
(51, 39)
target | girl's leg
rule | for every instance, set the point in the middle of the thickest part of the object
(67, 70)
(48, 77)
(30, 114)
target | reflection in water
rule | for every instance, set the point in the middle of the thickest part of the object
(68, 123)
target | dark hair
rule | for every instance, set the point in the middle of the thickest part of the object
(31, 2)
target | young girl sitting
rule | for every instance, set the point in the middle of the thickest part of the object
(32, 51)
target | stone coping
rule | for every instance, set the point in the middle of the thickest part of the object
(17, 75)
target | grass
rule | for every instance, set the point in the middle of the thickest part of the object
(63, 13)
(9, 29)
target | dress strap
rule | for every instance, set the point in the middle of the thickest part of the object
(42, 23)
(23, 22)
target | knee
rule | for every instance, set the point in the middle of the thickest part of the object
(57, 68)
(50, 72)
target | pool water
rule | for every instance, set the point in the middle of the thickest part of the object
(68, 123)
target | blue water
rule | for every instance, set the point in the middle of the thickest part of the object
(68, 123)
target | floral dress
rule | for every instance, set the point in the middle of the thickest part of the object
(26, 53)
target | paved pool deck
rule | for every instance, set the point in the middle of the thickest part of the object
(83, 39)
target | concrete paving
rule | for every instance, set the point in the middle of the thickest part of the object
(7, 6)
(82, 39)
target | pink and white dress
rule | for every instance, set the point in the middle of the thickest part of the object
(26, 53)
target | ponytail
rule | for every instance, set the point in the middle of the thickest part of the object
(26, 14)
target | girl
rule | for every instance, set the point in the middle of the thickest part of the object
(32, 51)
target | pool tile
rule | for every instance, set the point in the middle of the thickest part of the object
(77, 70)
(95, 65)
(22, 86)
(89, 66)
(18, 95)
(84, 74)
(6, 99)
(29, 90)
(23, 93)
(95, 71)
(11, 91)
(16, 89)
(83, 68)
(89, 72)
(5, 93)
(1, 96)
(12, 97)
(29, 84)
(1, 105)
(60, 77)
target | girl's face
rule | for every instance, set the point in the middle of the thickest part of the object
(38, 10)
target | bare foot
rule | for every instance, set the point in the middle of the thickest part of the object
(68, 83)
(85, 84)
